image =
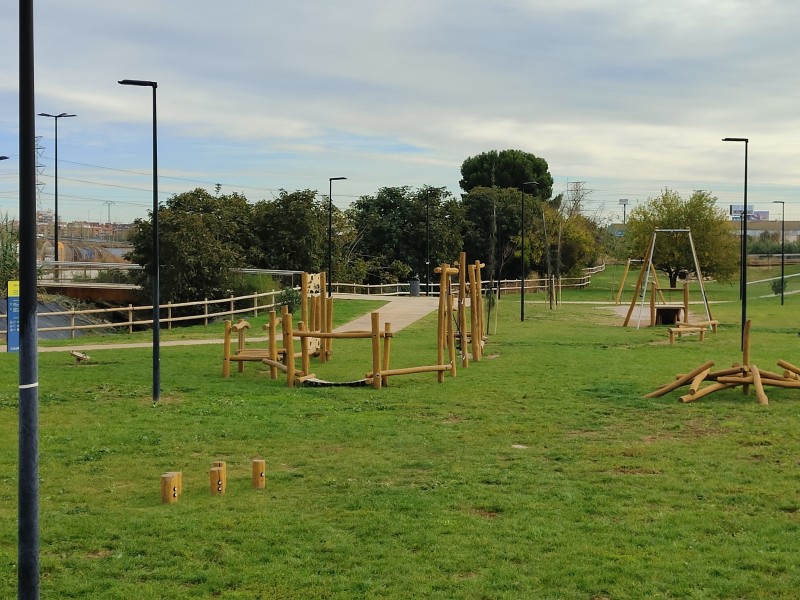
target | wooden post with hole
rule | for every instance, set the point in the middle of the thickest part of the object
(169, 488)
(259, 466)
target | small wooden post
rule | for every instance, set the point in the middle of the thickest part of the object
(259, 473)
(304, 300)
(479, 301)
(273, 343)
(376, 351)
(288, 346)
(215, 481)
(169, 315)
(305, 361)
(473, 315)
(451, 338)
(130, 318)
(329, 326)
(226, 351)
(323, 315)
(387, 348)
(169, 488)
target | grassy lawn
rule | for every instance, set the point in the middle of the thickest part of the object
(539, 472)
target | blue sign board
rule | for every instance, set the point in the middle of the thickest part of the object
(12, 317)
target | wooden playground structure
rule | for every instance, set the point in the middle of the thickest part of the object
(663, 310)
(315, 335)
(744, 375)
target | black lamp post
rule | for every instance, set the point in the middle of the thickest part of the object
(428, 243)
(743, 268)
(783, 250)
(522, 255)
(156, 263)
(624, 203)
(330, 232)
(55, 177)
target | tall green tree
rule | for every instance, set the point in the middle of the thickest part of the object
(506, 169)
(291, 232)
(716, 245)
(201, 238)
(390, 231)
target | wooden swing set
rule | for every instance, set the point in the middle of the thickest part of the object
(662, 311)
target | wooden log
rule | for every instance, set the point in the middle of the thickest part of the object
(376, 350)
(736, 380)
(681, 381)
(479, 302)
(278, 365)
(340, 335)
(259, 469)
(789, 367)
(782, 383)
(771, 375)
(699, 378)
(760, 395)
(412, 370)
(304, 299)
(226, 351)
(323, 314)
(475, 327)
(169, 488)
(709, 389)
(723, 372)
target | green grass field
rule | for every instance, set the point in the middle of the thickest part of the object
(539, 472)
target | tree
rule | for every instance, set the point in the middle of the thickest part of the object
(506, 169)
(291, 232)
(201, 238)
(492, 224)
(388, 236)
(717, 248)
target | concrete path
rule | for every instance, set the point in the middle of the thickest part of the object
(400, 311)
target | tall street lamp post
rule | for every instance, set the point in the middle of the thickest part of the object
(156, 263)
(330, 232)
(522, 255)
(624, 203)
(55, 177)
(783, 248)
(428, 243)
(743, 267)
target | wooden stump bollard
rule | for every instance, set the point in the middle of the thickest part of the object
(218, 478)
(259, 473)
(169, 488)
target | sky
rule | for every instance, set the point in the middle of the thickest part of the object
(626, 97)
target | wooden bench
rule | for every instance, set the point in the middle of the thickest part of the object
(705, 324)
(240, 354)
(684, 329)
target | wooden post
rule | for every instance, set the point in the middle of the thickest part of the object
(169, 315)
(259, 473)
(226, 351)
(305, 362)
(169, 488)
(273, 343)
(653, 305)
(451, 337)
(387, 347)
(686, 303)
(757, 383)
(475, 327)
(479, 302)
(323, 314)
(376, 351)
(462, 301)
(329, 326)
(304, 301)
(288, 346)
(205, 312)
(216, 482)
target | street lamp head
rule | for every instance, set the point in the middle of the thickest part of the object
(3, 158)
(56, 116)
(778, 202)
(623, 201)
(336, 178)
(533, 183)
(139, 82)
(734, 139)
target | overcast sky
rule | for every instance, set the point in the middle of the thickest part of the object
(626, 96)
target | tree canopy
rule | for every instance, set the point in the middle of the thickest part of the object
(715, 244)
(506, 169)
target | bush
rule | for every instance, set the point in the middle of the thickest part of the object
(291, 298)
(778, 286)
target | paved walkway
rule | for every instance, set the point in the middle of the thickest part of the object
(400, 311)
